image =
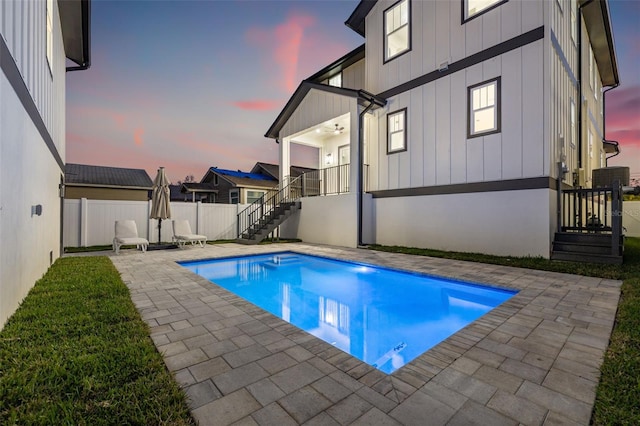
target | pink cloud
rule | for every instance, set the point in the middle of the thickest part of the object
(284, 41)
(623, 115)
(137, 136)
(257, 105)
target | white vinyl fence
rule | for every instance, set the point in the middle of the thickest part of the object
(91, 222)
(631, 218)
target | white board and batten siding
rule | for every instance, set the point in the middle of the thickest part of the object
(27, 166)
(315, 108)
(438, 150)
(439, 36)
(353, 76)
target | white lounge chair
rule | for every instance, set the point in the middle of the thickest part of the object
(182, 234)
(127, 234)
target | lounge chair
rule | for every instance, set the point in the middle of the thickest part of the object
(182, 234)
(127, 234)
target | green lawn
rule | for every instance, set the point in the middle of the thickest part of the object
(618, 394)
(77, 352)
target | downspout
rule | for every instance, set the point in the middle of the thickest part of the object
(359, 188)
(604, 122)
(373, 101)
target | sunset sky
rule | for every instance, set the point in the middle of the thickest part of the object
(194, 84)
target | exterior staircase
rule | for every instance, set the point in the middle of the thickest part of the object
(595, 248)
(268, 212)
(590, 226)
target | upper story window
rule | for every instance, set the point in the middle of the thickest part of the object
(215, 180)
(336, 80)
(573, 124)
(50, 34)
(473, 8)
(397, 30)
(396, 131)
(484, 108)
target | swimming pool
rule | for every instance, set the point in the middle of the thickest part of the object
(382, 316)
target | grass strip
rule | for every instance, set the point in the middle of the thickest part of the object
(618, 392)
(77, 352)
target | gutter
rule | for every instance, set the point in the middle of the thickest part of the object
(373, 101)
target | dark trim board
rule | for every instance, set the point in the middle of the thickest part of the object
(497, 50)
(10, 69)
(543, 182)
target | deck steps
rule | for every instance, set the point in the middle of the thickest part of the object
(586, 247)
(269, 222)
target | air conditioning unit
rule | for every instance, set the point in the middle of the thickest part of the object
(605, 176)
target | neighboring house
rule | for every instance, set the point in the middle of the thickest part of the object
(199, 191)
(237, 187)
(37, 41)
(456, 117)
(106, 183)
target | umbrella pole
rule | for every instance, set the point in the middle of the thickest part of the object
(159, 229)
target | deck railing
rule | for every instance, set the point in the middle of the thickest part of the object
(593, 210)
(330, 181)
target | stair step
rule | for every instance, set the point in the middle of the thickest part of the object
(561, 246)
(586, 257)
(576, 237)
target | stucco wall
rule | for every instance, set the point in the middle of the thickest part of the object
(502, 222)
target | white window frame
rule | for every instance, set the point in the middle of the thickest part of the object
(49, 34)
(474, 109)
(397, 126)
(234, 193)
(216, 180)
(468, 14)
(335, 80)
(257, 191)
(392, 12)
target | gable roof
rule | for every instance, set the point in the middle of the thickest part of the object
(339, 65)
(298, 96)
(357, 18)
(243, 179)
(87, 175)
(273, 170)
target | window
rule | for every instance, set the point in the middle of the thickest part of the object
(396, 134)
(215, 180)
(574, 21)
(473, 8)
(336, 80)
(50, 34)
(396, 30)
(234, 196)
(484, 108)
(573, 124)
(253, 196)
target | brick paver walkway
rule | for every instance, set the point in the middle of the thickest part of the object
(533, 360)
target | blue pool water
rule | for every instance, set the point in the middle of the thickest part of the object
(384, 317)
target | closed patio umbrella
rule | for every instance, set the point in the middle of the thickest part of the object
(160, 206)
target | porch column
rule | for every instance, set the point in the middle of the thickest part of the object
(285, 160)
(354, 143)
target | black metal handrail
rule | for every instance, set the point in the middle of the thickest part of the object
(251, 219)
(329, 181)
(593, 210)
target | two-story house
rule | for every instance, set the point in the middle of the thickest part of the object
(459, 119)
(39, 43)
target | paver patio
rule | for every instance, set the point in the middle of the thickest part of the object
(533, 360)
